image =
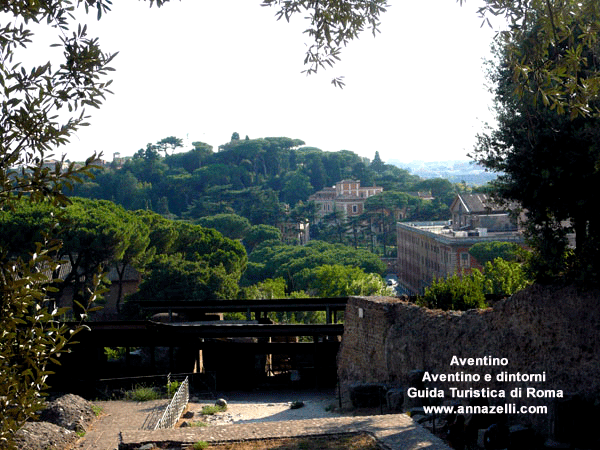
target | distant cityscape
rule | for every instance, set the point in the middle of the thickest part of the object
(455, 171)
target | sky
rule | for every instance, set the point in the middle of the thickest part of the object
(203, 69)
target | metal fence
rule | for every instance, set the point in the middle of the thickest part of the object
(176, 406)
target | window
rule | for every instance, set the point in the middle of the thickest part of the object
(354, 208)
(464, 259)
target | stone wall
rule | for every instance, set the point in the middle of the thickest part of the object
(539, 330)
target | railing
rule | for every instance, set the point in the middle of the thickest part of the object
(176, 406)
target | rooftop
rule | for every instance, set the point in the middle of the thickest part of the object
(443, 232)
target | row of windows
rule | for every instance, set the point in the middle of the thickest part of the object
(328, 207)
(408, 243)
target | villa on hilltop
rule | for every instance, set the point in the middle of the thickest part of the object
(346, 196)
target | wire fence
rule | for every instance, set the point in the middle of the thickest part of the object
(176, 406)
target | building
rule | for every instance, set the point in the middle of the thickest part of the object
(430, 250)
(347, 196)
(472, 211)
(294, 232)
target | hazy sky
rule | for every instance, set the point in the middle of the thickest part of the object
(202, 69)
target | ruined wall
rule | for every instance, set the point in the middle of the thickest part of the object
(556, 331)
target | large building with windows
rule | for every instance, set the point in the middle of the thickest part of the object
(430, 250)
(347, 196)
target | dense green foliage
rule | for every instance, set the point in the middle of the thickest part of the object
(455, 293)
(549, 161)
(505, 277)
(180, 260)
(468, 291)
(267, 182)
(229, 225)
(335, 280)
(547, 45)
(94, 234)
(42, 106)
(251, 178)
(489, 251)
(294, 264)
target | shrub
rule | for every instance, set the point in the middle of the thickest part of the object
(504, 277)
(142, 394)
(172, 387)
(114, 354)
(200, 445)
(210, 410)
(97, 410)
(455, 293)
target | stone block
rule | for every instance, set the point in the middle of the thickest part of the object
(394, 399)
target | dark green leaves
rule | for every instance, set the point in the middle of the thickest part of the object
(332, 25)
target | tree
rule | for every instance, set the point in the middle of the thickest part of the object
(231, 226)
(335, 280)
(555, 69)
(377, 164)
(191, 160)
(552, 79)
(259, 234)
(385, 209)
(172, 277)
(136, 253)
(42, 107)
(190, 263)
(440, 188)
(95, 237)
(335, 221)
(548, 163)
(267, 289)
(169, 143)
(275, 259)
(468, 290)
(296, 187)
(333, 24)
(94, 234)
(455, 293)
(489, 251)
(504, 277)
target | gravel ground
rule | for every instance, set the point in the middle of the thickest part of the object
(267, 407)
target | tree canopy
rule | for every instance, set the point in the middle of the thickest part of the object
(548, 161)
(43, 105)
(275, 259)
(547, 51)
(547, 72)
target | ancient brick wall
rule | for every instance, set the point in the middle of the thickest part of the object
(538, 330)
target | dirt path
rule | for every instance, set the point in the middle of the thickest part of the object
(116, 417)
(253, 416)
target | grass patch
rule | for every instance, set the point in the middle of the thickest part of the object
(198, 424)
(210, 410)
(200, 445)
(142, 394)
(96, 410)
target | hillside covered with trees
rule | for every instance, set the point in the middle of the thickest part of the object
(179, 260)
(267, 181)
